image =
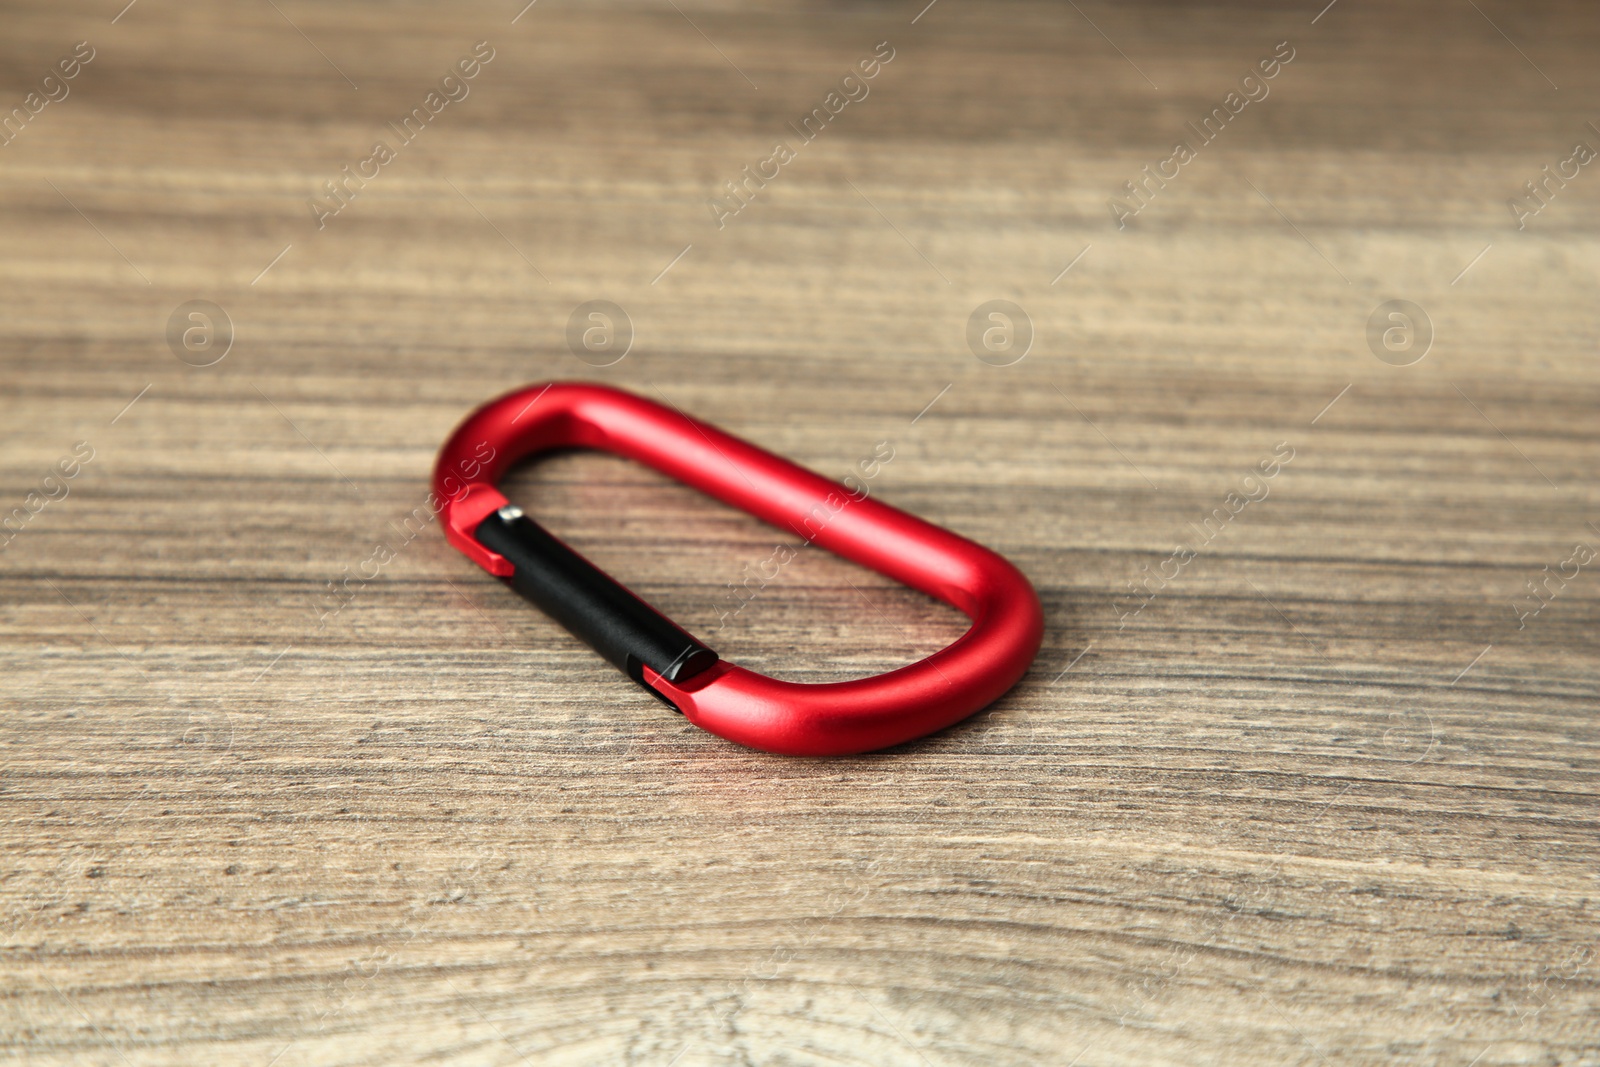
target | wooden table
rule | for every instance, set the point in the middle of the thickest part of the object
(1321, 792)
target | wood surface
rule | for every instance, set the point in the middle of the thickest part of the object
(1326, 799)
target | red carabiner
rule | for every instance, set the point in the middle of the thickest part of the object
(831, 719)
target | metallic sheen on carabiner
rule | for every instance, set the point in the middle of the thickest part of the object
(751, 709)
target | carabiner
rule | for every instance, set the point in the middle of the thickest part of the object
(830, 719)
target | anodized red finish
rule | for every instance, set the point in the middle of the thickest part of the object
(752, 709)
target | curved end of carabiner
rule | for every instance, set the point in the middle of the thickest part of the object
(474, 457)
(868, 714)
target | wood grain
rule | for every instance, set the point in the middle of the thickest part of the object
(1324, 799)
